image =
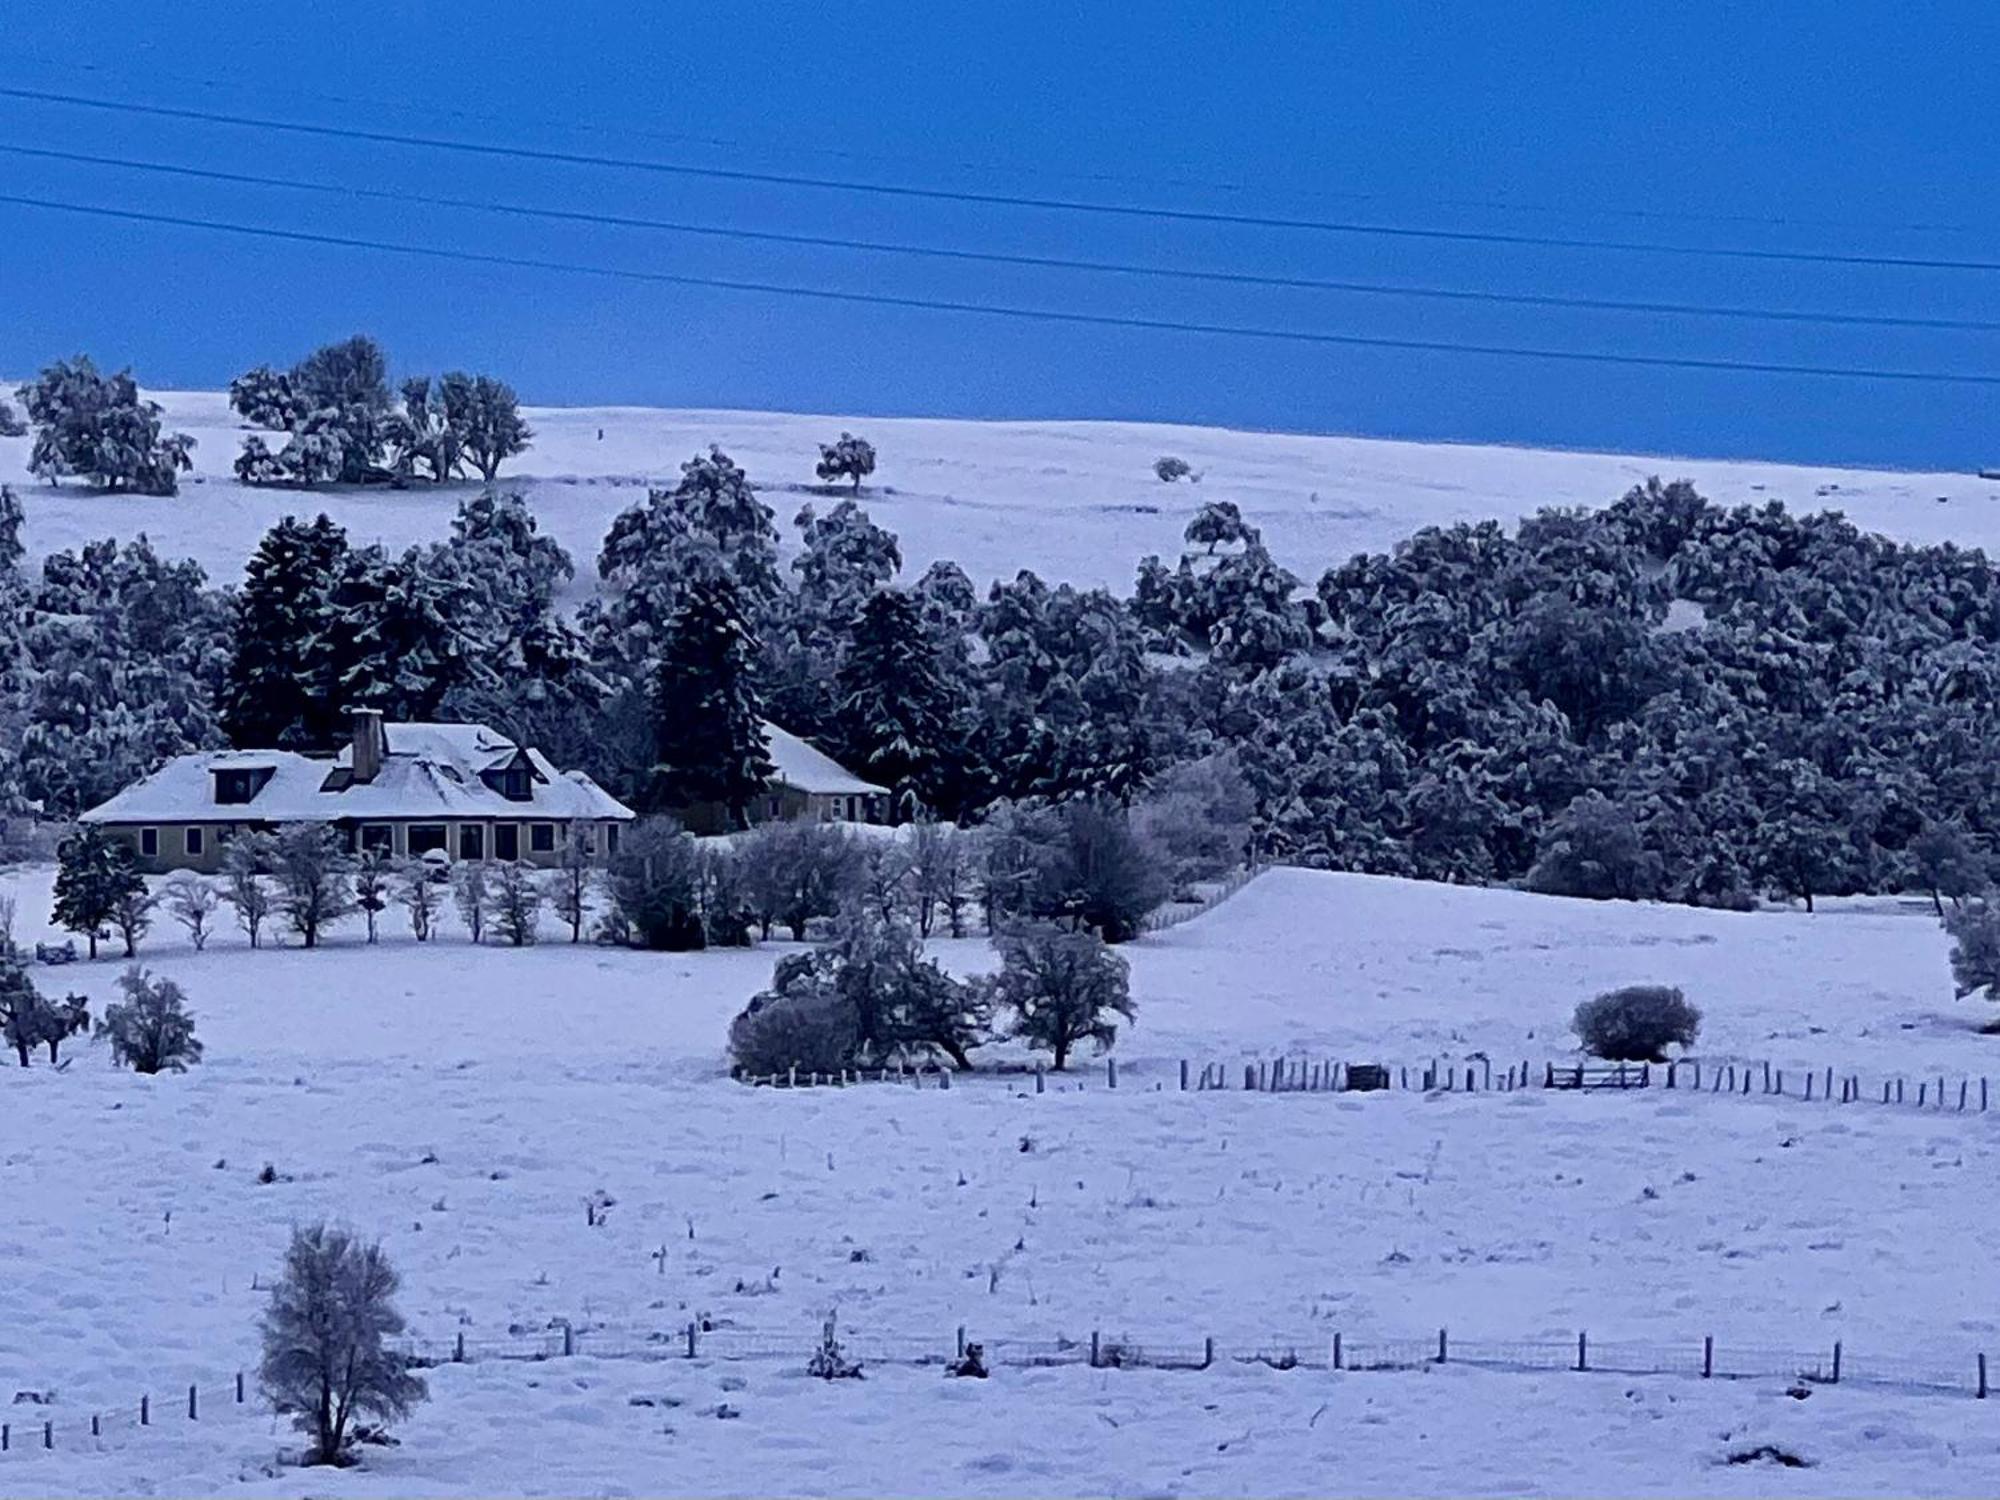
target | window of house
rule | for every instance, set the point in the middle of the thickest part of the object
(507, 841)
(191, 840)
(425, 837)
(149, 841)
(774, 806)
(472, 841)
(240, 783)
(542, 838)
(611, 838)
(378, 836)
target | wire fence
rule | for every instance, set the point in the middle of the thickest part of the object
(1958, 1372)
(1178, 912)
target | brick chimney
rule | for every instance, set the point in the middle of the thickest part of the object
(369, 743)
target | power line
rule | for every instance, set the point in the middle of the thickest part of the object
(994, 310)
(1003, 258)
(431, 109)
(1001, 200)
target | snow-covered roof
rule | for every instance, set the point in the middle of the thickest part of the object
(430, 771)
(809, 770)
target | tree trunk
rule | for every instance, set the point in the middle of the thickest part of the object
(93, 943)
(22, 1048)
(1809, 905)
(957, 1055)
(1937, 901)
(1062, 1053)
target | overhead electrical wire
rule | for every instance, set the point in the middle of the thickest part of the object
(1152, 212)
(993, 310)
(1005, 258)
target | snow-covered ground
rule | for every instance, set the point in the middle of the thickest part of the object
(465, 1103)
(1073, 500)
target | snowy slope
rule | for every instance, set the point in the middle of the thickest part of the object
(463, 1103)
(1073, 500)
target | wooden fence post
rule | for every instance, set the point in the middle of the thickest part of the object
(1696, 1065)
(1982, 1096)
(1184, 1075)
(1208, 1351)
(1549, 1079)
(6, 1437)
(1981, 1393)
(96, 1425)
(1781, 1083)
(1111, 1072)
(1337, 1362)
(1828, 1093)
(569, 1341)
(1809, 1087)
(458, 1347)
(1670, 1075)
(145, 1411)
(1836, 1362)
(1582, 1350)
(1094, 1349)
(1707, 1355)
(1964, 1087)
(48, 1433)
(239, 1387)
(691, 1340)
(193, 1413)
(1442, 1346)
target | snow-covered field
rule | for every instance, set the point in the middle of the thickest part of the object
(464, 1103)
(1073, 500)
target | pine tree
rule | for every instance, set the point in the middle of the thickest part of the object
(709, 741)
(95, 877)
(279, 690)
(896, 710)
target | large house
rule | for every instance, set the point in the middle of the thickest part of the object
(407, 789)
(404, 789)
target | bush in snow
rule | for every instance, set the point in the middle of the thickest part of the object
(849, 458)
(1064, 988)
(517, 903)
(1636, 1023)
(801, 1022)
(326, 1331)
(1595, 849)
(657, 882)
(1944, 863)
(1095, 871)
(192, 902)
(314, 877)
(10, 425)
(1197, 815)
(830, 1361)
(1167, 468)
(151, 1030)
(245, 861)
(1975, 948)
(96, 426)
(28, 1021)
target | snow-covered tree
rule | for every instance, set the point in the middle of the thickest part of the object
(192, 902)
(12, 518)
(796, 873)
(1167, 468)
(485, 420)
(422, 896)
(327, 1332)
(373, 871)
(848, 457)
(151, 1029)
(1944, 864)
(1197, 815)
(517, 902)
(335, 407)
(97, 427)
(132, 914)
(280, 690)
(1063, 988)
(10, 424)
(657, 883)
(1595, 849)
(1636, 1023)
(1975, 948)
(897, 711)
(29, 1020)
(246, 860)
(96, 879)
(941, 876)
(709, 744)
(571, 886)
(315, 878)
(472, 894)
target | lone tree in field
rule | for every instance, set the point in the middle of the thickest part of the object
(96, 880)
(97, 428)
(1064, 988)
(850, 458)
(326, 1329)
(1637, 1023)
(151, 1030)
(27, 1020)
(314, 873)
(1167, 468)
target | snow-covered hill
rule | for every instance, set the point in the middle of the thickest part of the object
(1072, 500)
(464, 1102)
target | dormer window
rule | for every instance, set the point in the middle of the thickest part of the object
(515, 783)
(235, 785)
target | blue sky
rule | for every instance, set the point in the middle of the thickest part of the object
(1865, 128)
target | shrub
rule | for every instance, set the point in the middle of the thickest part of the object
(1635, 1024)
(326, 1356)
(1595, 850)
(152, 1031)
(656, 881)
(1975, 948)
(27, 1020)
(1167, 468)
(800, 1022)
(192, 901)
(517, 903)
(314, 879)
(793, 873)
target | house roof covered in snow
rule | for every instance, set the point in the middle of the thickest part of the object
(808, 770)
(429, 771)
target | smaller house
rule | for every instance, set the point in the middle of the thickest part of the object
(405, 789)
(807, 785)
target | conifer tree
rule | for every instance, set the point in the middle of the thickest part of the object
(709, 741)
(95, 877)
(895, 708)
(279, 689)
